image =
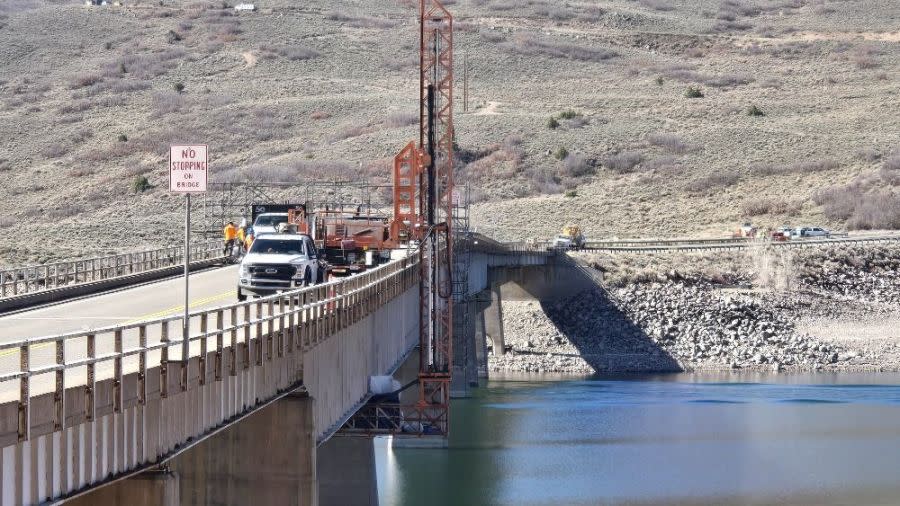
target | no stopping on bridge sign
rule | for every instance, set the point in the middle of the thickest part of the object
(188, 168)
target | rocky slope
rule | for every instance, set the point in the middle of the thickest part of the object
(675, 321)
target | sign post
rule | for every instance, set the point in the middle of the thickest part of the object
(187, 174)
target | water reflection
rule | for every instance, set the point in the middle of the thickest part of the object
(683, 438)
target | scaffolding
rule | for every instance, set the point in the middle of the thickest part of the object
(229, 201)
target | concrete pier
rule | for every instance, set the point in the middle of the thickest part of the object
(267, 458)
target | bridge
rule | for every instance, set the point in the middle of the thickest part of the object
(103, 386)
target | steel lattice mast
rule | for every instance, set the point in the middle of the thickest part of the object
(436, 192)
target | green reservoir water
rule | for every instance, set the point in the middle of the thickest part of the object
(661, 439)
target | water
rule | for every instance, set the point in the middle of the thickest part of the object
(663, 439)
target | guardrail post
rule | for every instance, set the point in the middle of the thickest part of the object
(164, 360)
(117, 365)
(24, 393)
(203, 349)
(59, 395)
(292, 318)
(142, 366)
(220, 337)
(303, 340)
(259, 331)
(232, 371)
(90, 384)
(247, 336)
(3, 284)
(271, 327)
(281, 328)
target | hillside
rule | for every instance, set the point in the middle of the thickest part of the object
(90, 98)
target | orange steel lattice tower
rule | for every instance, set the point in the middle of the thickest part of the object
(423, 211)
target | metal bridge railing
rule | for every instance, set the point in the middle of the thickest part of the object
(38, 278)
(279, 323)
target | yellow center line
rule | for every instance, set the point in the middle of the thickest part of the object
(159, 314)
(178, 309)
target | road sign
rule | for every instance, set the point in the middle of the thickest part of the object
(188, 168)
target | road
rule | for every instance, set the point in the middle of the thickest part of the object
(159, 299)
(209, 288)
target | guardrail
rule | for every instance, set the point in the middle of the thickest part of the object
(278, 323)
(35, 279)
(724, 244)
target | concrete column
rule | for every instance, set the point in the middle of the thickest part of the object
(494, 321)
(267, 458)
(346, 472)
(158, 487)
(481, 352)
(463, 343)
(472, 343)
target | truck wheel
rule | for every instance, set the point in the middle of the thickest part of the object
(240, 295)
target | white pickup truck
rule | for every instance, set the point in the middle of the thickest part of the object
(278, 263)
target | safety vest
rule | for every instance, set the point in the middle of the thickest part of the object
(230, 232)
(240, 235)
(248, 241)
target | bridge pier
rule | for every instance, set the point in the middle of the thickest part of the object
(464, 373)
(481, 351)
(346, 472)
(267, 458)
(493, 320)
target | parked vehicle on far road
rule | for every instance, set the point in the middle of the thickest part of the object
(809, 232)
(782, 233)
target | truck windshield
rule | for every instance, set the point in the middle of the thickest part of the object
(277, 247)
(270, 221)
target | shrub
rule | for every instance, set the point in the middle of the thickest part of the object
(561, 153)
(659, 80)
(761, 206)
(892, 163)
(693, 92)
(552, 124)
(623, 162)
(571, 193)
(178, 87)
(140, 184)
(868, 155)
(718, 179)
(319, 115)
(123, 138)
(727, 80)
(401, 119)
(54, 150)
(172, 37)
(755, 111)
(807, 167)
(530, 44)
(669, 142)
(83, 80)
(577, 166)
(570, 114)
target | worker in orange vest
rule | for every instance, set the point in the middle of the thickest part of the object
(230, 235)
(248, 239)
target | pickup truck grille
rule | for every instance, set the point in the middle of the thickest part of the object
(271, 271)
